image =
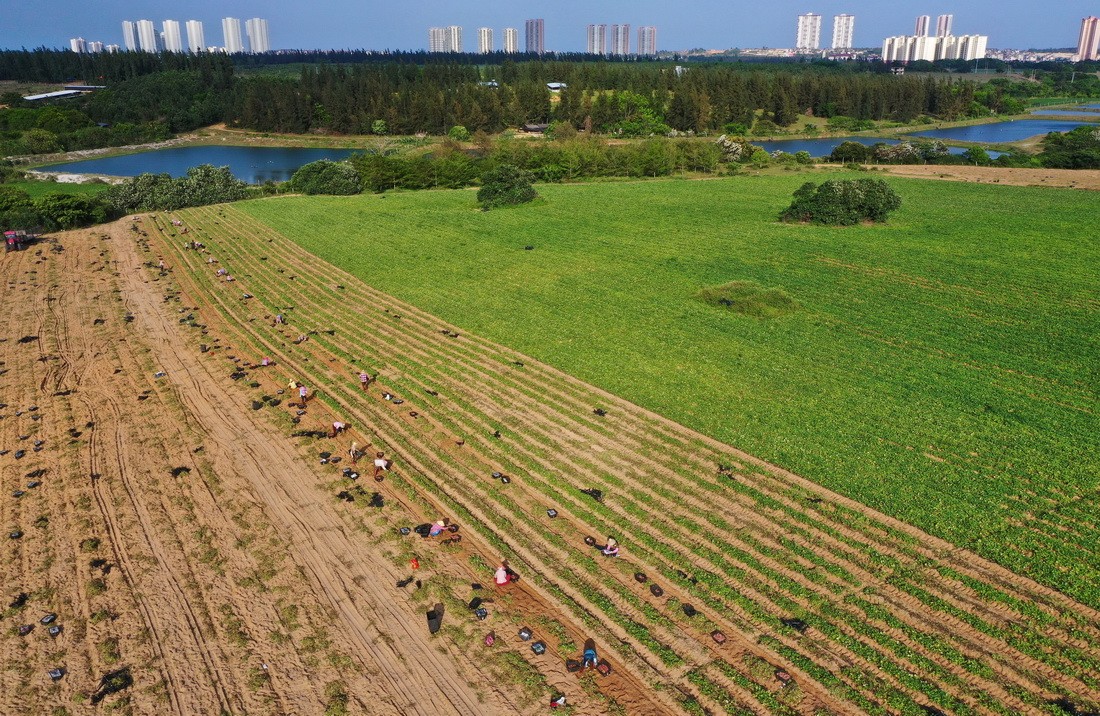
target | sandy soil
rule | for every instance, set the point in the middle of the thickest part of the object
(183, 531)
(1069, 178)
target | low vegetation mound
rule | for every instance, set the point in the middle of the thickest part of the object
(326, 177)
(842, 202)
(749, 298)
(505, 185)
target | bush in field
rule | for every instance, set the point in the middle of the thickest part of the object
(459, 133)
(842, 202)
(749, 298)
(326, 177)
(204, 184)
(68, 211)
(505, 185)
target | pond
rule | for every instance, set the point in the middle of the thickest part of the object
(825, 147)
(254, 165)
(1011, 131)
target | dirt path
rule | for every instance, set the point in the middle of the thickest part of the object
(1088, 179)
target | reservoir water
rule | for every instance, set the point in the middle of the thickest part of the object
(1011, 131)
(254, 165)
(825, 147)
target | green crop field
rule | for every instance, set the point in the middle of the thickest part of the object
(39, 189)
(941, 368)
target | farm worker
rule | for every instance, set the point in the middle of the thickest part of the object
(364, 379)
(612, 548)
(292, 384)
(438, 528)
(160, 264)
(337, 428)
(302, 393)
(381, 464)
(589, 654)
(503, 574)
(353, 452)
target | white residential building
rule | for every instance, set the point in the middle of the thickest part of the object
(147, 37)
(809, 32)
(843, 28)
(511, 39)
(196, 42)
(534, 40)
(647, 40)
(910, 48)
(111, 48)
(77, 44)
(484, 40)
(596, 40)
(921, 28)
(129, 36)
(172, 40)
(620, 40)
(231, 31)
(1088, 42)
(445, 39)
(943, 25)
(454, 38)
(258, 42)
(96, 46)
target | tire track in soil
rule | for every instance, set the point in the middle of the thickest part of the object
(418, 680)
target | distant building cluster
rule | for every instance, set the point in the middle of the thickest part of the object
(944, 45)
(142, 35)
(1088, 44)
(808, 35)
(599, 40)
(449, 39)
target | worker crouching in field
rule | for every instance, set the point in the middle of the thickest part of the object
(381, 464)
(611, 549)
(589, 659)
(504, 574)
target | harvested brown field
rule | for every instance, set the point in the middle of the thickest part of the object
(204, 551)
(1068, 178)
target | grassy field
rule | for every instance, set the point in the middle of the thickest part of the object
(40, 188)
(941, 368)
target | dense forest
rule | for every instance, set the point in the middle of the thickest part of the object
(150, 97)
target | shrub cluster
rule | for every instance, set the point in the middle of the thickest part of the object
(842, 202)
(50, 212)
(326, 177)
(505, 185)
(204, 184)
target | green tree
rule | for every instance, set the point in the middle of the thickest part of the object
(379, 127)
(505, 185)
(326, 177)
(842, 202)
(68, 211)
(41, 141)
(459, 133)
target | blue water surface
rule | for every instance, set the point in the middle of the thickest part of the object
(1011, 131)
(825, 147)
(254, 165)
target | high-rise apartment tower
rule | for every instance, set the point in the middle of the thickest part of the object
(231, 31)
(511, 39)
(484, 40)
(195, 41)
(596, 40)
(77, 44)
(535, 36)
(647, 40)
(1088, 42)
(172, 40)
(809, 32)
(256, 29)
(148, 39)
(620, 40)
(843, 27)
(129, 36)
(943, 25)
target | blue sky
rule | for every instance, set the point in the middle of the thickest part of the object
(684, 24)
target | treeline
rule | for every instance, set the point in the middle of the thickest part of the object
(46, 65)
(146, 108)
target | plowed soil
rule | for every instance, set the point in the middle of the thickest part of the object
(208, 557)
(1066, 178)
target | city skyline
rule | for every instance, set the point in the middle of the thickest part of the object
(699, 24)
